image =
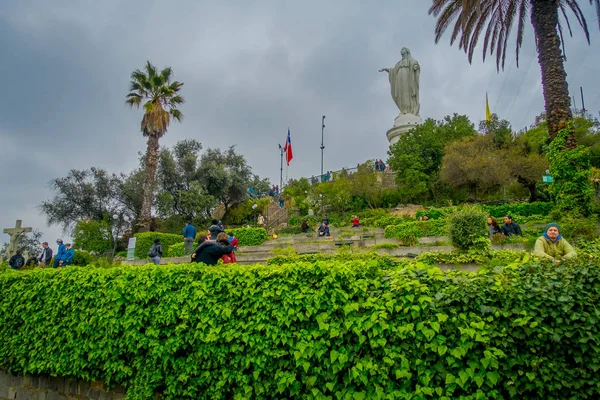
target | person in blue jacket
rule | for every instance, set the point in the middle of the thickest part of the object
(189, 235)
(68, 257)
(60, 252)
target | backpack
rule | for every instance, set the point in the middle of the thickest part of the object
(153, 253)
(16, 261)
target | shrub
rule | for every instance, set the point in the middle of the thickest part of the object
(145, 240)
(435, 227)
(576, 229)
(176, 250)
(387, 221)
(571, 171)
(249, 236)
(521, 209)
(83, 258)
(432, 213)
(308, 330)
(468, 228)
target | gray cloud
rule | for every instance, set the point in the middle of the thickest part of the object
(251, 70)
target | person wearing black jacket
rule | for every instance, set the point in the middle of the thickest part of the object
(214, 229)
(510, 228)
(208, 252)
(46, 255)
(17, 261)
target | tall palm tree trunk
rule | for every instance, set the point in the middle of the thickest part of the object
(149, 182)
(544, 17)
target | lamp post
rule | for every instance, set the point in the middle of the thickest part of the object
(119, 221)
(322, 146)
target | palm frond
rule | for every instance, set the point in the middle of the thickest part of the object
(496, 17)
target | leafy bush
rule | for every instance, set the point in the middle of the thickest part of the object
(576, 229)
(83, 258)
(433, 213)
(93, 236)
(145, 240)
(387, 221)
(521, 209)
(468, 228)
(249, 236)
(434, 227)
(571, 171)
(482, 257)
(342, 330)
(176, 250)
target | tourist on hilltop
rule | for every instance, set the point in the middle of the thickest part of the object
(17, 261)
(424, 217)
(552, 246)
(46, 255)
(221, 226)
(323, 230)
(155, 252)
(260, 221)
(233, 241)
(493, 227)
(214, 229)
(67, 258)
(209, 252)
(304, 226)
(510, 228)
(325, 220)
(355, 221)
(189, 235)
(60, 253)
(223, 240)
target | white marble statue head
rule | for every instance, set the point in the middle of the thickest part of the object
(405, 52)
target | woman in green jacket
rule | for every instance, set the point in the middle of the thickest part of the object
(551, 245)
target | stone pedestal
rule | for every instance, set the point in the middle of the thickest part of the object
(402, 124)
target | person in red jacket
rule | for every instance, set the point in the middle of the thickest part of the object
(233, 241)
(355, 222)
(228, 258)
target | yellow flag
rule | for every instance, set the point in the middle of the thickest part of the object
(488, 114)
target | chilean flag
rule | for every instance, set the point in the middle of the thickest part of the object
(288, 149)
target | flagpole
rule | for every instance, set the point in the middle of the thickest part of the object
(281, 168)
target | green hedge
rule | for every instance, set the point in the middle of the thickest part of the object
(249, 236)
(145, 240)
(522, 209)
(433, 227)
(177, 249)
(309, 330)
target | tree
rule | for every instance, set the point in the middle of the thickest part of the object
(226, 176)
(498, 130)
(85, 194)
(417, 155)
(363, 183)
(474, 162)
(162, 99)
(472, 17)
(180, 190)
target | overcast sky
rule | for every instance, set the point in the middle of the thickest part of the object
(250, 71)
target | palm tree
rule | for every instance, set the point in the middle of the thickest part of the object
(162, 98)
(472, 16)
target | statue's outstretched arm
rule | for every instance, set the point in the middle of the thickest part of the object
(385, 69)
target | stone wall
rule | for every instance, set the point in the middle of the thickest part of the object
(50, 388)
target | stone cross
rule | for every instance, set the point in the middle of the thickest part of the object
(15, 234)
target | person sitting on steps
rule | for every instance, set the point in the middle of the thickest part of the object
(323, 230)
